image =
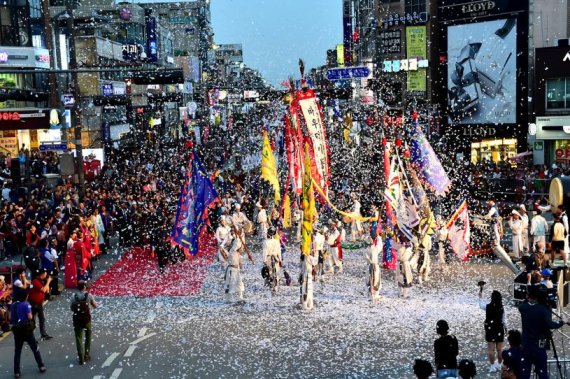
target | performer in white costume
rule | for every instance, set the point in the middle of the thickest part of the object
(525, 226)
(334, 252)
(261, 222)
(306, 281)
(516, 225)
(355, 225)
(374, 277)
(223, 237)
(441, 235)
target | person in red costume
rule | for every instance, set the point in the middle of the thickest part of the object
(82, 257)
(70, 279)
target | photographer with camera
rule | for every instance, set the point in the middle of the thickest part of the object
(536, 320)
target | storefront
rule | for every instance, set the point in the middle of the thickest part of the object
(27, 127)
(493, 150)
(552, 140)
(17, 89)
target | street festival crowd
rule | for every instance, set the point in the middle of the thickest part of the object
(60, 237)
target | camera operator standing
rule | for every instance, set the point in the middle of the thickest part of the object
(536, 319)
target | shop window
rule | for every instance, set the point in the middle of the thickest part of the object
(558, 93)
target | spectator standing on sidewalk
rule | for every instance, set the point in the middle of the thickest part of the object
(23, 326)
(446, 349)
(80, 303)
(40, 287)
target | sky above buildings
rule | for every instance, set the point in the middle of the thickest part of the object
(276, 33)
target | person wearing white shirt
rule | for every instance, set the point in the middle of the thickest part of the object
(374, 277)
(234, 286)
(333, 245)
(525, 226)
(441, 235)
(356, 224)
(516, 225)
(307, 263)
(239, 219)
(538, 228)
(495, 219)
(261, 222)
(319, 249)
(272, 251)
(222, 233)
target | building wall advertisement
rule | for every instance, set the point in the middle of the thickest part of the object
(481, 78)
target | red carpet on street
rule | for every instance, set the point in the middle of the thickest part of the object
(136, 274)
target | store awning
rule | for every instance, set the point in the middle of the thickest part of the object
(520, 156)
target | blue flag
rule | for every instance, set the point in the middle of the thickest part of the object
(196, 194)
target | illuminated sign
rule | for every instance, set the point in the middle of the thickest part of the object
(3, 57)
(107, 89)
(10, 116)
(22, 120)
(405, 65)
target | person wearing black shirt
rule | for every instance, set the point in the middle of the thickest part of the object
(536, 320)
(513, 357)
(446, 349)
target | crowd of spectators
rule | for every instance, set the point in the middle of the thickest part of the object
(41, 225)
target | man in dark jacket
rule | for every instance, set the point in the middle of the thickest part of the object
(446, 349)
(536, 320)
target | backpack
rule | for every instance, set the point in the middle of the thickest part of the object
(81, 312)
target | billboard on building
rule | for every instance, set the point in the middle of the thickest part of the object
(347, 32)
(481, 72)
(416, 48)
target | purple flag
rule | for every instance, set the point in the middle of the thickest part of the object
(427, 163)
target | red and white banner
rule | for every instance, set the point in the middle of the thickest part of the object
(459, 234)
(312, 115)
(294, 157)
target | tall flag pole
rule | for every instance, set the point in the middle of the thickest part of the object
(306, 100)
(196, 194)
(309, 209)
(269, 167)
(389, 258)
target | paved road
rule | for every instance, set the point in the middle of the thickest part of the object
(268, 336)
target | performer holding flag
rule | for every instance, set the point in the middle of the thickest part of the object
(196, 194)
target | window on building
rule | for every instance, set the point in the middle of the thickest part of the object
(416, 6)
(558, 93)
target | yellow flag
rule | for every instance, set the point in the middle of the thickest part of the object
(347, 126)
(268, 166)
(309, 209)
(287, 211)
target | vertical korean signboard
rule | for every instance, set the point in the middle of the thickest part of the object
(416, 48)
(347, 32)
(152, 40)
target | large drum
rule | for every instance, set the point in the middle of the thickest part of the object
(559, 192)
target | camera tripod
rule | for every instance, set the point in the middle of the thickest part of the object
(558, 365)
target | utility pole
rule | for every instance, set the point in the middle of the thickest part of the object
(75, 117)
(52, 50)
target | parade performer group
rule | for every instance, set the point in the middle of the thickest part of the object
(401, 231)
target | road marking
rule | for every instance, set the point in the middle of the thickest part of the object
(142, 339)
(98, 377)
(142, 332)
(116, 373)
(110, 360)
(130, 351)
